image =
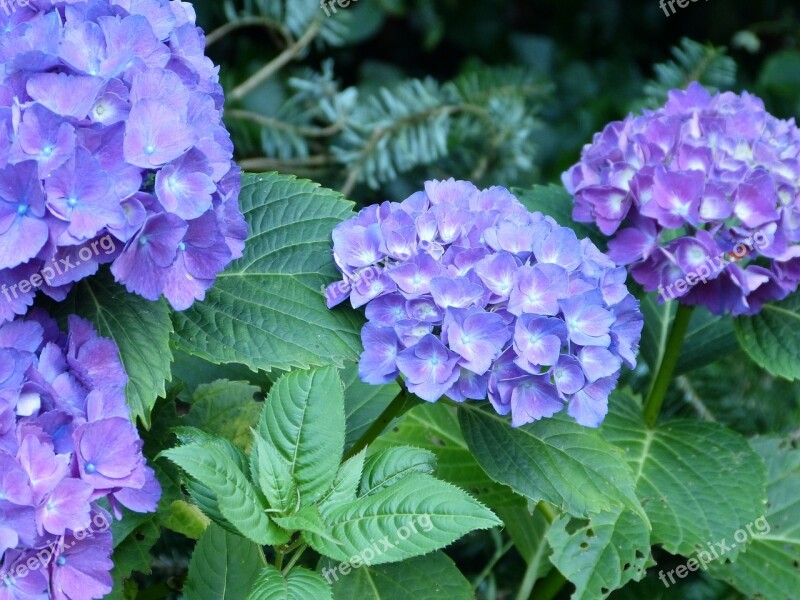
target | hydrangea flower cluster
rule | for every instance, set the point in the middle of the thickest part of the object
(112, 149)
(66, 441)
(700, 197)
(469, 295)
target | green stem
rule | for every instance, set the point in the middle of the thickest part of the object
(295, 558)
(548, 587)
(394, 410)
(662, 379)
(500, 552)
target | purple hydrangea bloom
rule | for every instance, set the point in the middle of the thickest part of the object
(112, 150)
(471, 296)
(66, 441)
(700, 199)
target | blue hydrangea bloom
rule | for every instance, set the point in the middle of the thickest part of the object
(112, 150)
(700, 198)
(469, 295)
(66, 441)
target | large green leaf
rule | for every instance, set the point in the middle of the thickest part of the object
(770, 565)
(267, 310)
(298, 584)
(238, 500)
(416, 515)
(226, 408)
(303, 418)
(602, 554)
(140, 328)
(223, 567)
(555, 460)
(772, 337)
(432, 577)
(698, 481)
(434, 427)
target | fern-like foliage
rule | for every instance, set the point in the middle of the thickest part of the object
(482, 122)
(692, 61)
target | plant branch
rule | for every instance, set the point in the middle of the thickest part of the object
(295, 557)
(276, 64)
(663, 377)
(397, 407)
(265, 163)
(219, 33)
(309, 132)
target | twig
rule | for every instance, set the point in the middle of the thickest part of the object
(277, 63)
(219, 33)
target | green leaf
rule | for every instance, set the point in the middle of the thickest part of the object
(698, 481)
(435, 427)
(772, 337)
(432, 577)
(602, 554)
(363, 403)
(238, 500)
(267, 311)
(223, 567)
(303, 418)
(555, 460)
(140, 328)
(555, 201)
(299, 584)
(345, 485)
(417, 515)
(386, 467)
(186, 519)
(133, 553)
(273, 474)
(308, 520)
(769, 567)
(227, 409)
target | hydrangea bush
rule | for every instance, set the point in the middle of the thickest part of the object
(469, 295)
(66, 444)
(112, 150)
(700, 198)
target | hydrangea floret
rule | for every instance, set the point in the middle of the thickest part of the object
(112, 150)
(699, 198)
(66, 443)
(469, 295)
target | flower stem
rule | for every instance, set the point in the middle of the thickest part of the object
(399, 405)
(662, 379)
